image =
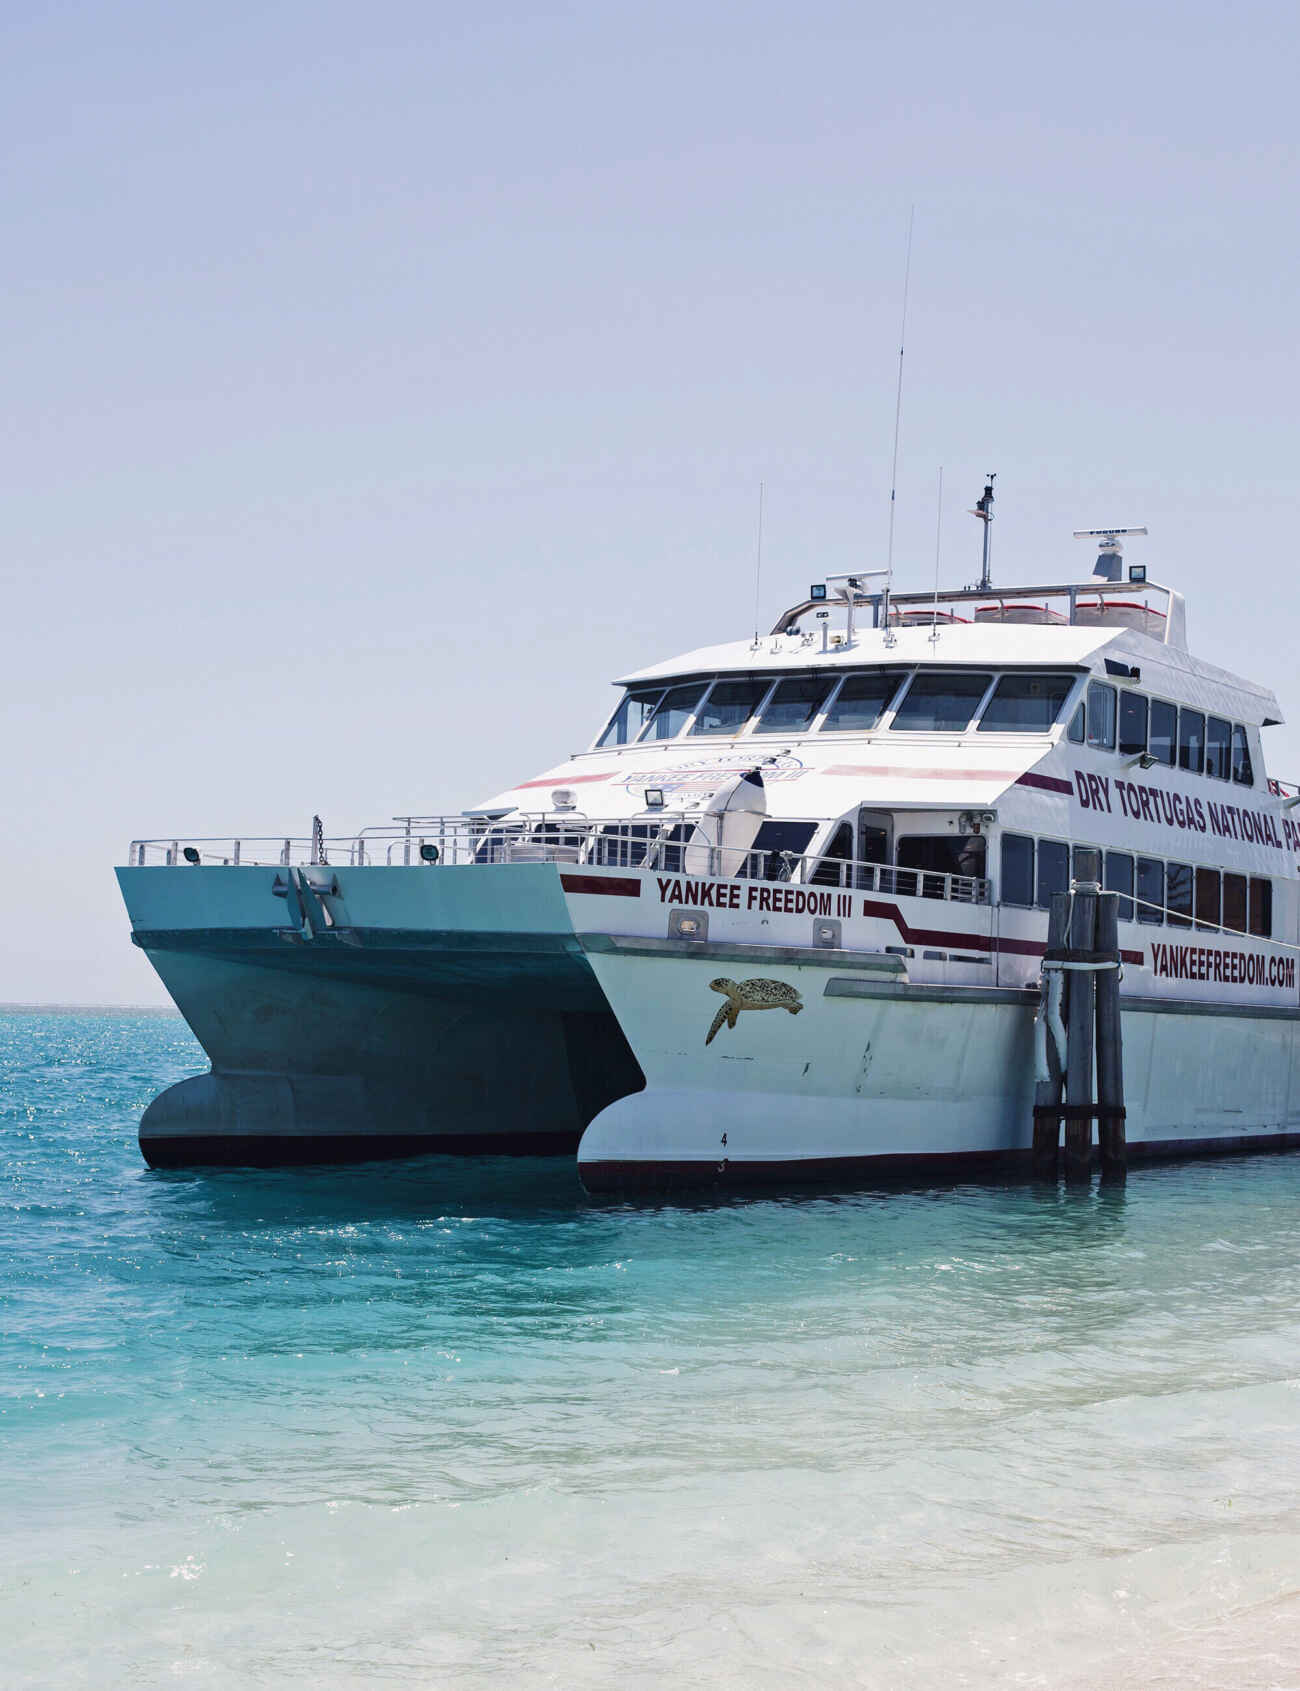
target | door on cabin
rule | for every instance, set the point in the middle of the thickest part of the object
(875, 846)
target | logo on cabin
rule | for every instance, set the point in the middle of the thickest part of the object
(704, 774)
(751, 995)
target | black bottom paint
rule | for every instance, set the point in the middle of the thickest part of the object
(236, 1150)
(726, 1176)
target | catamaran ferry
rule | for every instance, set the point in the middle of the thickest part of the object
(784, 919)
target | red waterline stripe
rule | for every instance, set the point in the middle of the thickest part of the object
(1048, 783)
(605, 886)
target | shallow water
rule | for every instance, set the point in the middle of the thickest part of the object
(451, 1423)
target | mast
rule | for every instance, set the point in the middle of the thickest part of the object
(984, 511)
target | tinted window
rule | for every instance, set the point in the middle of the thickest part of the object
(1261, 907)
(1178, 894)
(1191, 740)
(674, 712)
(1234, 903)
(832, 870)
(1150, 890)
(1162, 742)
(863, 700)
(1101, 716)
(941, 704)
(1053, 871)
(1075, 731)
(634, 711)
(1208, 912)
(1025, 704)
(1118, 878)
(776, 846)
(1241, 770)
(1017, 869)
(1132, 724)
(795, 704)
(729, 706)
(1218, 748)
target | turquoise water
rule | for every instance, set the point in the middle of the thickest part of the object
(452, 1424)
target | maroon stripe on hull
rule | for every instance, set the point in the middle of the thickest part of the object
(1046, 783)
(611, 1176)
(605, 886)
(967, 942)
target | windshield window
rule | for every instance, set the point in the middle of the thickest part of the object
(795, 704)
(729, 706)
(674, 711)
(862, 700)
(1025, 704)
(941, 704)
(634, 711)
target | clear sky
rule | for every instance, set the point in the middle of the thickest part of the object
(381, 380)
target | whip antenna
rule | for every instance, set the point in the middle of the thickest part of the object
(938, 541)
(758, 562)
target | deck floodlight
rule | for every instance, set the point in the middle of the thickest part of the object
(428, 852)
(190, 853)
(817, 591)
(1137, 574)
(654, 798)
(562, 798)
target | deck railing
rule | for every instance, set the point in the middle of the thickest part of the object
(679, 843)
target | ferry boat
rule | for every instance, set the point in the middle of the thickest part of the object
(784, 919)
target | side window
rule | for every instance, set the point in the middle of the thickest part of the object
(1178, 894)
(1218, 748)
(831, 871)
(1132, 724)
(1241, 770)
(729, 706)
(1017, 870)
(1053, 870)
(1151, 891)
(1074, 733)
(674, 711)
(1208, 909)
(1234, 903)
(1261, 907)
(635, 709)
(1025, 704)
(1118, 877)
(1101, 716)
(1191, 740)
(1163, 741)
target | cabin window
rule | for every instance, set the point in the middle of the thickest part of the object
(832, 871)
(1025, 704)
(1234, 903)
(1178, 894)
(1132, 724)
(862, 700)
(1053, 871)
(729, 706)
(1209, 907)
(675, 710)
(1218, 748)
(938, 855)
(1261, 908)
(1101, 716)
(1162, 741)
(1241, 769)
(1017, 870)
(1117, 876)
(1074, 733)
(776, 847)
(1191, 740)
(1150, 891)
(941, 703)
(795, 704)
(635, 709)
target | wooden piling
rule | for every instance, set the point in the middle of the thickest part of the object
(1079, 1021)
(1111, 1134)
(1047, 1093)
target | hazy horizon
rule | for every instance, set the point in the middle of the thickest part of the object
(381, 386)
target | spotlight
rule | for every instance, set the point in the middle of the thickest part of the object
(428, 853)
(190, 853)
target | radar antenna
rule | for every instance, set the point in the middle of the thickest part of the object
(1109, 565)
(984, 511)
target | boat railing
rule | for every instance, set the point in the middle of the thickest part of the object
(679, 843)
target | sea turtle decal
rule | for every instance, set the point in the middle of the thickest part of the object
(751, 995)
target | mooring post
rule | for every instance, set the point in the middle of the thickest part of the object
(1079, 1017)
(1111, 1134)
(1047, 1093)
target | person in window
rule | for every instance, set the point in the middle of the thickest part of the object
(973, 856)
